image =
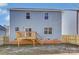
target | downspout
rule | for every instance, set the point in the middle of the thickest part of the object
(76, 29)
(77, 23)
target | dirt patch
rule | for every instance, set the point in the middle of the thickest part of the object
(39, 50)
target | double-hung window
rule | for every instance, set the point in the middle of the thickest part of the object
(27, 15)
(46, 16)
(48, 30)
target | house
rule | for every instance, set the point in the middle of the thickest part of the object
(70, 20)
(2, 31)
(7, 30)
(2, 34)
(48, 23)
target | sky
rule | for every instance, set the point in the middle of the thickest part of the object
(4, 8)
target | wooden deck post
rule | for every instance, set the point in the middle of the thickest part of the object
(33, 43)
(18, 43)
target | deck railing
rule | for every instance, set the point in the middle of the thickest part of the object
(33, 36)
(73, 39)
(26, 35)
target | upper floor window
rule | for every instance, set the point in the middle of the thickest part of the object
(46, 16)
(27, 15)
(48, 30)
(16, 28)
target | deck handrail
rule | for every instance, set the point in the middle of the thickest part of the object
(23, 34)
(20, 34)
(38, 36)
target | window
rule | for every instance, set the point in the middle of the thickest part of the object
(27, 15)
(45, 30)
(46, 16)
(17, 29)
(28, 29)
(48, 30)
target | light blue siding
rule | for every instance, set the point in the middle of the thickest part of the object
(37, 23)
(69, 22)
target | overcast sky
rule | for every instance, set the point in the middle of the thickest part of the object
(4, 8)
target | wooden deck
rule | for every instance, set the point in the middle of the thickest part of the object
(29, 42)
(72, 39)
(32, 38)
(29, 36)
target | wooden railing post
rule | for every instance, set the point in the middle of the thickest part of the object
(17, 37)
(33, 43)
(18, 43)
